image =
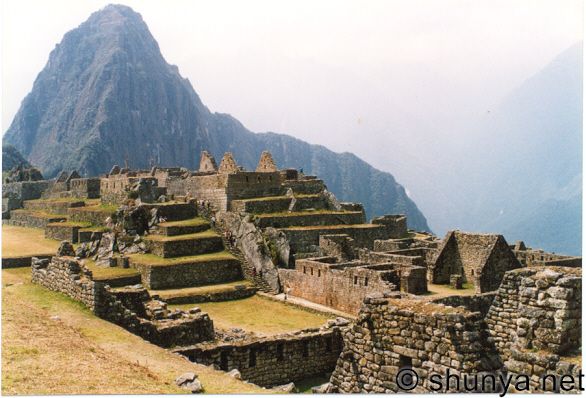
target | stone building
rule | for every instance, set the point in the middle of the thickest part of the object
(531, 331)
(479, 259)
(342, 282)
(536, 257)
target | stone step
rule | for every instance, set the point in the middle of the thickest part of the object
(33, 219)
(55, 206)
(65, 230)
(277, 204)
(219, 292)
(247, 269)
(309, 218)
(184, 245)
(113, 276)
(184, 227)
(95, 215)
(85, 234)
(173, 211)
(188, 271)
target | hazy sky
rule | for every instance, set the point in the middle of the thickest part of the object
(372, 77)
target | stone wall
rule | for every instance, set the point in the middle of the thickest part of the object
(277, 359)
(63, 231)
(310, 219)
(24, 190)
(220, 188)
(475, 303)
(538, 308)
(306, 239)
(396, 334)
(94, 215)
(164, 328)
(343, 286)
(531, 330)
(85, 188)
(188, 274)
(305, 186)
(395, 224)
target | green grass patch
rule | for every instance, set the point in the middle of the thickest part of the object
(331, 227)
(259, 314)
(39, 213)
(199, 235)
(94, 228)
(200, 290)
(55, 200)
(80, 224)
(192, 222)
(304, 386)
(156, 261)
(100, 273)
(305, 213)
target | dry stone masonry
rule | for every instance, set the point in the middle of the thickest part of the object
(468, 305)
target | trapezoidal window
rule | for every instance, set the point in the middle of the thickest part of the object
(224, 360)
(365, 281)
(356, 280)
(305, 349)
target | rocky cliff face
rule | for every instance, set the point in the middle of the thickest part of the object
(107, 96)
(12, 158)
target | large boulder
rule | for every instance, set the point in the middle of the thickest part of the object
(252, 244)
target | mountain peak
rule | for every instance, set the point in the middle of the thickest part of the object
(107, 96)
(115, 14)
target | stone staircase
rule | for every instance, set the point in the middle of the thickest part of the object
(189, 262)
(247, 268)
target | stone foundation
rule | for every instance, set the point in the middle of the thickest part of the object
(274, 360)
(166, 329)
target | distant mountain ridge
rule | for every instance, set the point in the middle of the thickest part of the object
(107, 96)
(524, 169)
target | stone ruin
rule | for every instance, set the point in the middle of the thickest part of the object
(479, 259)
(266, 164)
(130, 307)
(532, 324)
(502, 310)
(21, 173)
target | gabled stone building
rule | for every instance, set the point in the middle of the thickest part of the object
(479, 259)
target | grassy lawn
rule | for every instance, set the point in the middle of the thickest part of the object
(20, 241)
(56, 200)
(80, 224)
(108, 272)
(192, 222)
(258, 314)
(156, 261)
(304, 213)
(210, 233)
(192, 291)
(53, 345)
(41, 213)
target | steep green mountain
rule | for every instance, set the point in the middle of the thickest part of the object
(12, 158)
(107, 96)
